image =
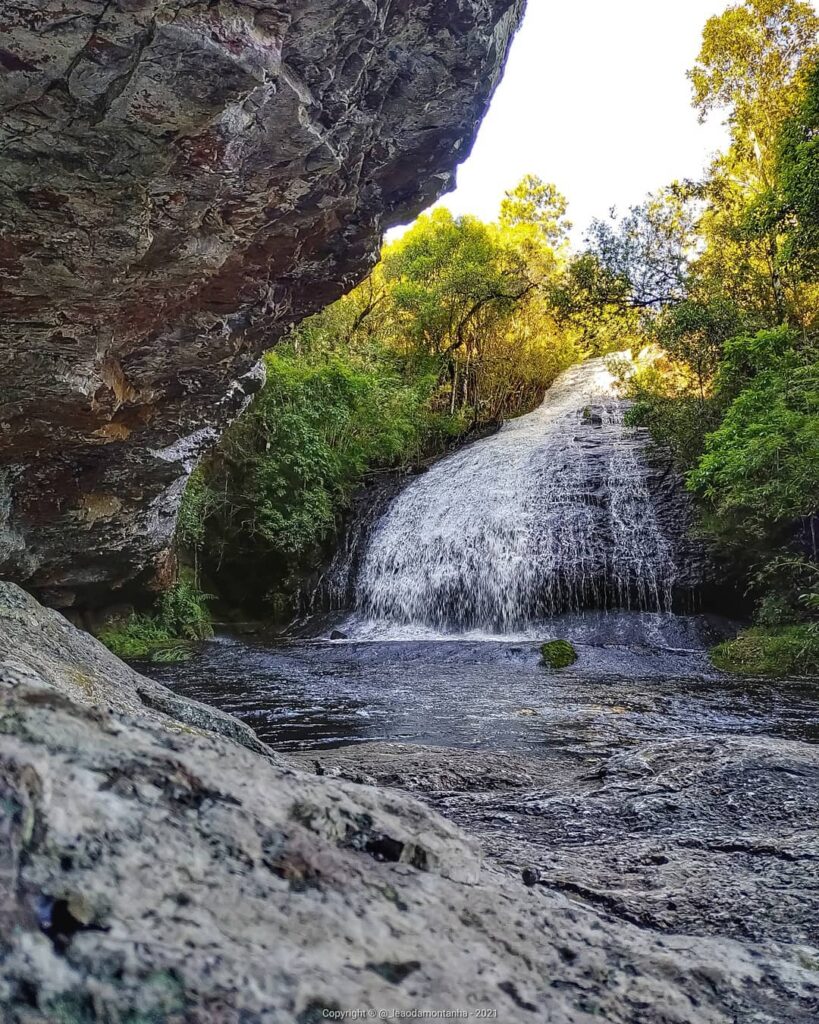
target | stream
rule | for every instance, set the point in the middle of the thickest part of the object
(491, 694)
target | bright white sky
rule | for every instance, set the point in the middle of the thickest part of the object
(594, 99)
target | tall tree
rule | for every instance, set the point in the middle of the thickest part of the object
(536, 204)
(751, 65)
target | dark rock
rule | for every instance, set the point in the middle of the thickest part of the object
(184, 181)
(338, 635)
(705, 835)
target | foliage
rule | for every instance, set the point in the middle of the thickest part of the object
(791, 205)
(760, 468)
(453, 331)
(669, 402)
(137, 637)
(751, 65)
(558, 654)
(180, 616)
(183, 610)
(760, 651)
(646, 254)
(283, 473)
(193, 511)
(789, 584)
(735, 393)
(537, 206)
(694, 332)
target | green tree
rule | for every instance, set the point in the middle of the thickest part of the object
(751, 66)
(537, 205)
(791, 205)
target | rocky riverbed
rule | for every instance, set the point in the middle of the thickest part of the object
(156, 869)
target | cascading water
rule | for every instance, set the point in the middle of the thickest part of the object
(551, 514)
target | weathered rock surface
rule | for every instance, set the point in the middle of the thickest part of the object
(150, 873)
(182, 181)
(700, 579)
(708, 836)
(39, 643)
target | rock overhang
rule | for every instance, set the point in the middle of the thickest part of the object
(185, 182)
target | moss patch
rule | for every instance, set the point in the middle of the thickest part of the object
(558, 654)
(786, 651)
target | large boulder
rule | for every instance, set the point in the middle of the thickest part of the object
(156, 871)
(183, 181)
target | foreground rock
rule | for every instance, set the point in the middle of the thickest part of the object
(152, 872)
(183, 181)
(40, 644)
(709, 836)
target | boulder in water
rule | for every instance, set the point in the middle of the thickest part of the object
(338, 635)
(558, 654)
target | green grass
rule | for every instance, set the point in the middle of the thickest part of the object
(180, 616)
(782, 651)
(558, 654)
(143, 637)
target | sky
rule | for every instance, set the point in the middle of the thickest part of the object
(595, 99)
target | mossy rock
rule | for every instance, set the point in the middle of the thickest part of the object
(558, 654)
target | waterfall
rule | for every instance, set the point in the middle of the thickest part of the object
(551, 514)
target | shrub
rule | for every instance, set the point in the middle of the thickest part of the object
(183, 610)
(136, 638)
(760, 469)
(180, 616)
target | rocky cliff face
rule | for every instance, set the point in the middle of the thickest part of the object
(183, 181)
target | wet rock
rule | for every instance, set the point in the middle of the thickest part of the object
(699, 573)
(158, 874)
(338, 635)
(184, 181)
